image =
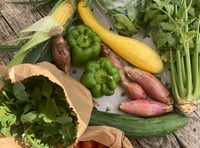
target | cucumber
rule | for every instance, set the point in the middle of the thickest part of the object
(137, 127)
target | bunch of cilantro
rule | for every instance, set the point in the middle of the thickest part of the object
(36, 110)
(175, 28)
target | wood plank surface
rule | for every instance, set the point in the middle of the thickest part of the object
(15, 17)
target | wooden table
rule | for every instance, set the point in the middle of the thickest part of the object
(13, 18)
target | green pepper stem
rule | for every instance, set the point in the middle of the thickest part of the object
(84, 41)
(103, 77)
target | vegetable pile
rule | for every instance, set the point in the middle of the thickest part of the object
(174, 27)
(148, 95)
(127, 48)
(36, 110)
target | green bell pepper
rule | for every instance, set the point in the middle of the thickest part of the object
(100, 77)
(84, 43)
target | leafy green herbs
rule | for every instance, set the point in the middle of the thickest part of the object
(36, 110)
(176, 34)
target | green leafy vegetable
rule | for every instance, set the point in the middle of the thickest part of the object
(176, 34)
(19, 92)
(124, 15)
(36, 110)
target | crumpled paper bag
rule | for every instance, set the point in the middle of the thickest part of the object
(77, 95)
(3, 72)
(109, 136)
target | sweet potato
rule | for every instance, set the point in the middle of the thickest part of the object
(134, 90)
(60, 50)
(151, 84)
(145, 108)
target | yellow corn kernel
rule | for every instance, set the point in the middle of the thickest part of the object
(63, 13)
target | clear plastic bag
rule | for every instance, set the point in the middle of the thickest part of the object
(124, 15)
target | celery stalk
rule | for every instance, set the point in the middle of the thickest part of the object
(178, 34)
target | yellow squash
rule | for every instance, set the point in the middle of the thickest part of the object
(134, 51)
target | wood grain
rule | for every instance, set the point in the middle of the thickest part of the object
(15, 17)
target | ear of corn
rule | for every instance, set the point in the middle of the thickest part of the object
(62, 14)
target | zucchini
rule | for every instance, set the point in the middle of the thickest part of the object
(137, 127)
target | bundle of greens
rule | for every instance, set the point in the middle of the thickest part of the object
(36, 110)
(176, 34)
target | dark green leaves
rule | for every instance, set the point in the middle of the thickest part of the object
(171, 21)
(167, 26)
(19, 92)
(47, 89)
(37, 109)
(162, 38)
(29, 117)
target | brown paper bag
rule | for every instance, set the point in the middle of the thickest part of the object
(3, 72)
(109, 136)
(77, 96)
